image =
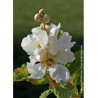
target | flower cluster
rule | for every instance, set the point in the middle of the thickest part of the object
(48, 52)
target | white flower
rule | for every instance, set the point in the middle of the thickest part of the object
(51, 63)
(64, 42)
(54, 44)
(44, 47)
(41, 35)
(34, 43)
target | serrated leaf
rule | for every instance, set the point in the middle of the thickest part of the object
(46, 93)
(65, 92)
(20, 73)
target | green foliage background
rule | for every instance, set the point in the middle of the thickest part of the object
(68, 12)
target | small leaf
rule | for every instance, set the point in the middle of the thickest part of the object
(20, 73)
(75, 66)
(46, 93)
(59, 34)
(41, 81)
(65, 92)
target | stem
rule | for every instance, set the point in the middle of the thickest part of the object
(52, 82)
(44, 25)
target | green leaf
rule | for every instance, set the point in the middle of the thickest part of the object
(59, 34)
(65, 92)
(75, 66)
(20, 73)
(46, 93)
(41, 81)
(75, 79)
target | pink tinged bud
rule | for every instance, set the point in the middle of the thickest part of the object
(42, 11)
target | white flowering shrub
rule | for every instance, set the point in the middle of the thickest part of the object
(51, 60)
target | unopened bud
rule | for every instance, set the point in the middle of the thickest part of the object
(46, 18)
(42, 11)
(37, 17)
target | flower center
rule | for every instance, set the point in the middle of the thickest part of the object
(47, 59)
(49, 62)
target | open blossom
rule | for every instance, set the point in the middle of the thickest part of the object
(39, 40)
(51, 63)
(35, 42)
(52, 53)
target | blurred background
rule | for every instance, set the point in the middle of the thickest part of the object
(68, 12)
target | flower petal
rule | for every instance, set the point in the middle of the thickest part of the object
(33, 60)
(37, 71)
(41, 35)
(53, 45)
(64, 57)
(66, 38)
(28, 43)
(67, 46)
(53, 25)
(36, 53)
(59, 73)
(61, 44)
(63, 40)
(54, 31)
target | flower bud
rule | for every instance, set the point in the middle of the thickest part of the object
(46, 18)
(42, 11)
(37, 17)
